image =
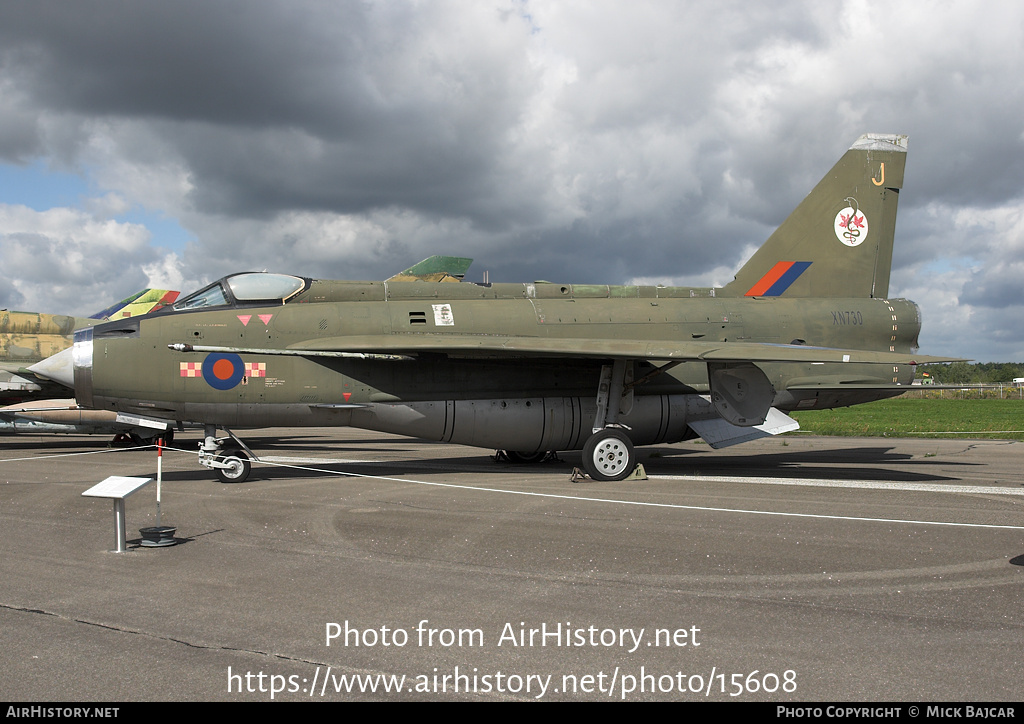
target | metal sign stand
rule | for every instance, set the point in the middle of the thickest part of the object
(117, 488)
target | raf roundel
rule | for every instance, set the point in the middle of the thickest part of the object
(223, 371)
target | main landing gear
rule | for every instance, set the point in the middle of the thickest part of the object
(609, 454)
(134, 439)
(227, 456)
(525, 458)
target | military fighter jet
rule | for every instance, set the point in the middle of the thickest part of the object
(807, 323)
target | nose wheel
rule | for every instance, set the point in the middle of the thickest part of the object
(228, 457)
(236, 466)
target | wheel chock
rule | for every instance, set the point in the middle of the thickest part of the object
(579, 476)
(638, 473)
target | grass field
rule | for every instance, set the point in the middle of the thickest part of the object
(986, 418)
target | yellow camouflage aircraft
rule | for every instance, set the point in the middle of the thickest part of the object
(29, 337)
(807, 323)
(26, 338)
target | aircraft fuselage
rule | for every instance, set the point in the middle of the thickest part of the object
(469, 397)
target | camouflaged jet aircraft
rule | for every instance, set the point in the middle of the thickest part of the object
(528, 368)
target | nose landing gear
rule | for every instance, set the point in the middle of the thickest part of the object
(228, 456)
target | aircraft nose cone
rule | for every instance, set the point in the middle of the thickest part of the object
(59, 368)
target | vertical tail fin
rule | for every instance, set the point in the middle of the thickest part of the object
(838, 241)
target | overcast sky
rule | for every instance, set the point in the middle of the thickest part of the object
(169, 143)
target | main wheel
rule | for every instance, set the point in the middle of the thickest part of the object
(609, 455)
(520, 457)
(238, 466)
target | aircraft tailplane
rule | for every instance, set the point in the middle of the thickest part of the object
(838, 241)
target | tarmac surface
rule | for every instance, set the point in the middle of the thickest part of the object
(790, 569)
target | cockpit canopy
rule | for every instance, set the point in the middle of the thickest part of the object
(245, 289)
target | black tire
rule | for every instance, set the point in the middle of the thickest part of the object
(521, 457)
(609, 455)
(240, 466)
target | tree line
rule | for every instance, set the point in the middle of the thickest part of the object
(966, 373)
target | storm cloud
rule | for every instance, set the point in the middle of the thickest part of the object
(600, 142)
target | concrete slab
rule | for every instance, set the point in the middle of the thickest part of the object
(790, 569)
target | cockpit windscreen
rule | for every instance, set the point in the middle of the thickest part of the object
(246, 288)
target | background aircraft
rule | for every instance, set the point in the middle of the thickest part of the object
(806, 323)
(67, 417)
(27, 338)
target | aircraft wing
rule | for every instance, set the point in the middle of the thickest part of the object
(470, 345)
(513, 346)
